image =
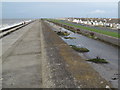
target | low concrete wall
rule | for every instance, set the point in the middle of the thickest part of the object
(21, 24)
(7, 31)
(103, 37)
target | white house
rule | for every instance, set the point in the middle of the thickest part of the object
(117, 26)
(69, 19)
(80, 21)
(76, 21)
(100, 23)
(89, 22)
(85, 22)
(95, 23)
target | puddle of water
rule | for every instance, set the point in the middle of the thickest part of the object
(97, 48)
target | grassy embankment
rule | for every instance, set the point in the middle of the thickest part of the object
(113, 34)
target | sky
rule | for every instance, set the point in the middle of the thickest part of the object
(59, 9)
(60, 0)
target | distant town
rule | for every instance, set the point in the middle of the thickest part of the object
(101, 22)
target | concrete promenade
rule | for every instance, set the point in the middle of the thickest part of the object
(35, 57)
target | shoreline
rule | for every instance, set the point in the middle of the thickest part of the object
(9, 25)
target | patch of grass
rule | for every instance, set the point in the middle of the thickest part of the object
(63, 33)
(79, 49)
(97, 60)
(69, 37)
(109, 33)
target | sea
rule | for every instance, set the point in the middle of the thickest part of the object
(4, 23)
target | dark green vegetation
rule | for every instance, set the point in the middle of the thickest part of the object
(97, 60)
(63, 33)
(69, 37)
(79, 49)
(113, 34)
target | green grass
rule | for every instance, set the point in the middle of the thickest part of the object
(79, 49)
(63, 33)
(69, 37)
(97, 60)
(113, 34)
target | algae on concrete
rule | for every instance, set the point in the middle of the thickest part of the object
(70, 37)
(63, 33)
(79, 49)
(97, 60)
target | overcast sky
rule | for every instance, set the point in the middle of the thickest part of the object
(59, 9)
(60, 0)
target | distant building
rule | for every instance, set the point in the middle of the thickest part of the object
(105, 22)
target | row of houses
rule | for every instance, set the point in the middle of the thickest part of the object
(105, 22)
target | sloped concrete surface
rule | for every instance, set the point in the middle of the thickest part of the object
(67, 66)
